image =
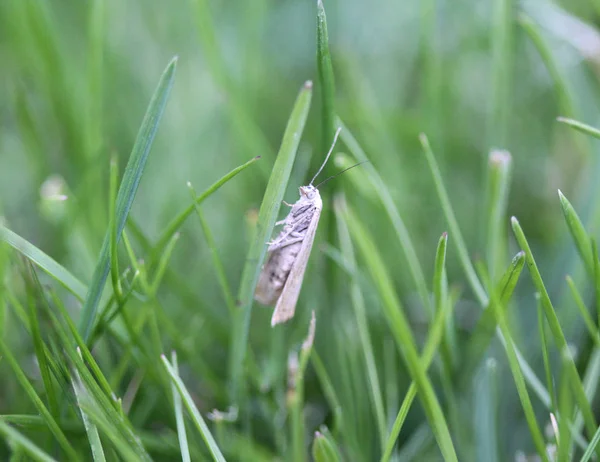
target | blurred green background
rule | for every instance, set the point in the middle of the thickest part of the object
(76, 78)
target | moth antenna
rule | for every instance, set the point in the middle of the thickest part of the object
(339, 173)
(335, 137)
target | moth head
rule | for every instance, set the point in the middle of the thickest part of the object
(308, 191)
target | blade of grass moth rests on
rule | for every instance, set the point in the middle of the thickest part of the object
(281, 277)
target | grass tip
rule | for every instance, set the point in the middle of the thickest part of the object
(189, 184)
(423, 139)
(500, 157)
(308, 85)
(257, 157)
(520, 254)
(514, 221)
(163, 356)
(562, 119)
(318, 434)
(445, 234)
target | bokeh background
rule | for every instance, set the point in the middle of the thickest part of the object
(76, 78)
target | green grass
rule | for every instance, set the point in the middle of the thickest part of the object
(128, 329)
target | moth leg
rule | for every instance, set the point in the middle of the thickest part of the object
(280, 222)
(277, 245)
(289, 205)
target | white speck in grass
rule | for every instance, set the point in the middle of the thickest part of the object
(500, 158)
(53, 188)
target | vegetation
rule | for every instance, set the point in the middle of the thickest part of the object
(451, 307)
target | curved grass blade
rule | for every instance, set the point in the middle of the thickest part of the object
(580, 126)
(195, 414)
(435, 336)
(578, 233)
(555, 328)
(461, 246)
(264, 228)
(62, 440)
(22, 441)
(385, 197)
(183, 443)
(358, 303)
(326, 79)
(45, 262)
(324, 448)
(178, 221)
(403, 335)
(129, 184)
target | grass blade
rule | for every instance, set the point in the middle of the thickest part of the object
(326, 79)
(183, 443)
(69, 451)
(486, 415)
(195, 414)
(178, 221)
(461, 246)
(403, 335)
(358, 303)
(553, 323)
(435, 336)
(580, 126)
(385, 197)
(22, 441)
(129, 184)
(266, 222)
(45, 262)
(578, 233)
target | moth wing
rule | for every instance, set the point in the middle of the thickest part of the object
(265, 292)
(286, 305)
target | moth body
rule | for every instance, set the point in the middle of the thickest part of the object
(281, 277)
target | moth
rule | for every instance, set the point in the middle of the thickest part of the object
(281, 277)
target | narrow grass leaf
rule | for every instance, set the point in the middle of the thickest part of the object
(183, 443)
(555, 327)
(324, 448)
(515, 367)
(194, 413)
(326, 79)
(434, 338)
(457, 237)
(563, 436)
(178, 221)
(499, 173)
(264, 228)
(399, 326)
(546, 355)
(216, 258)
(578, 233)
(358, 303)
(587, 319)
(373, 177)
(45, 262)
(129, 184)
(10, 434)
(62, 440)
(329, 391)
(485, 413)
(90, 428)
(112, 217)
(580, 126)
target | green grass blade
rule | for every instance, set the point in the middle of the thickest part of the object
(358, 303)
(266, 222)
(183, 443)
(580, 126)
(45, 262)
(486, 414)
(129, 184)
(22, 441)
(457, 237)
(499, 174)
(587, 319)
(513, 362)
(399, 326)
(546, 356)
(324, 448)
(326, 79)
(217, 262)
(90, 429)
(413, 263)
(114, 255)
(434, 338)
(329, 391)
(578, 233)
(555, 327)
(62, 440)
(564, 437)
(194, 413)
(178, 221)
(38, 341)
